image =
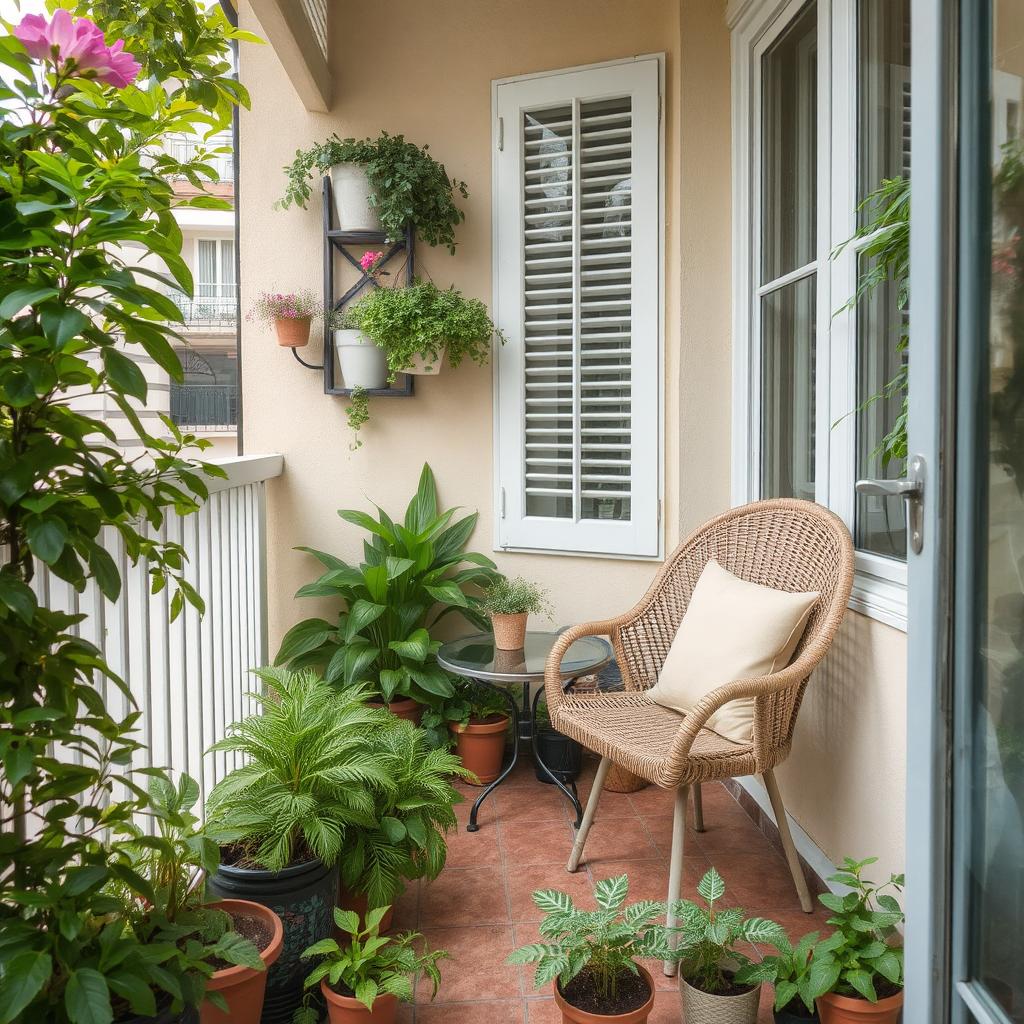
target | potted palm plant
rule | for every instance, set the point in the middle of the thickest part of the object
(591, 958)
(510, 603)
(290, 313)
(363, 980)
(381, 184)
(307, 773)
(858, 969)
(710, 960)
(789, 971)
(479, 722)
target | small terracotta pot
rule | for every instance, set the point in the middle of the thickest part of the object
(359, 903)
(836, 1009)
(509, 631)
(409, 709)
(574, 1015)
(481, 745)
(346, 1010)
(292, 333)
(700, 1007)
(242, 987)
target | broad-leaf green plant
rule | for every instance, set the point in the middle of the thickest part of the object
(788, 970)
(605, 943)
(413, 574)
(308, 773)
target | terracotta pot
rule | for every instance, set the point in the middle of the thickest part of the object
(836, 1009)
(701, 1007)
(242, 987)
(481, 745)
(346, 1010)
(509, 631)
(292, 333)
(573, 1015)
(409, 709)
(358, 902)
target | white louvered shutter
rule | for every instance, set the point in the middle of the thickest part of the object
(577, 261)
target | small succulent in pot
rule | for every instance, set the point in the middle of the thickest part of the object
(291, 314)
(510, 603)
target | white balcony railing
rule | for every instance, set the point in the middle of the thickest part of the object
(189, 678)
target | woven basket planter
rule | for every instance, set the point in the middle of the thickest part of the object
(622, 780)
(704, 1008)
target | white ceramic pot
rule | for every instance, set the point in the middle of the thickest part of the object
(420, 366)
(363, 364)
(352, 199)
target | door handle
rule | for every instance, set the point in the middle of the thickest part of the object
(911, 489)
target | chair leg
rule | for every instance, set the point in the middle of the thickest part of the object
(588, 814)
(698, 809)
(675, 870)
(782, 822)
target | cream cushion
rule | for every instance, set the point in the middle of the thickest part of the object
(732, 630)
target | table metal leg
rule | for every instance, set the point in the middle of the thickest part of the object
(507, 693)
(571, 794)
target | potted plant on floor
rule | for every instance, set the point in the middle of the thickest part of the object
(560, 753)
(479, 721)
(510, 603)
(381, 184)
(857, 973)
(307, 773)
(413, 574)
(709, 958)
(405, 838)
(789, 971)
(416, 326)
(291, 314)
(363, 980)
(591, 957)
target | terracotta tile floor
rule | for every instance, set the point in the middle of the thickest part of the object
(479, 909)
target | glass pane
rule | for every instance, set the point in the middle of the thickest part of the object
(996, 896)
(789, 109)
(880, 523)
(206, 272)
(787, 391)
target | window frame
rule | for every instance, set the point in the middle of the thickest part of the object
(220, 263)
(880, 584)
(565, 537)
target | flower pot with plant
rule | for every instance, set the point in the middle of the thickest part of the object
(478, 718)
(363, 364)
(591, 957)
(383, 183)
(857, 973)
(561, 754)
(291, 314)
(789, 971)
(415, 572)
(308, 774)
(710, 961)
(510, 603)
(363, 979)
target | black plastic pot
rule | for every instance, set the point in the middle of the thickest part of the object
(189, 1016)
(562, 755)
(304, 897)
(786, 1016)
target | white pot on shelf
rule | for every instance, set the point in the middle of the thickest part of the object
(351, 193)
(420, 366)
(363, 364)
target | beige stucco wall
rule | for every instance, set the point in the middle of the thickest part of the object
(425, 69)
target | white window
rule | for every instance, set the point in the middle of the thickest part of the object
(215, 268)
(577, 291)
(821, 117)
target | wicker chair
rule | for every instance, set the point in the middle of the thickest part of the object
(786, 544)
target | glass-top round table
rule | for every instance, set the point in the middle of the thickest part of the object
(476, 657)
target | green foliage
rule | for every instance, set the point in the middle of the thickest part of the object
(860, 952)
(474, 703)
(406, 839)
(307, 775)
(887, 258)
(408, 186)
(788, 969)
(369, 964)
(514, 596)
(709, 936)
(412, 576)
(422, 320)
(83, 181)
(357, 413)
(606, 943)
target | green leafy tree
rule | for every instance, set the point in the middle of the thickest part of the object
(82, 181)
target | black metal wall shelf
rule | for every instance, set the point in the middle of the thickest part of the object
(337, 241)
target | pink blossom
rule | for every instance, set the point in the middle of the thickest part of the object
(369, 260)
(121, 69)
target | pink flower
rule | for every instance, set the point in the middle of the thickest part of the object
(369, 260)
(121, 69)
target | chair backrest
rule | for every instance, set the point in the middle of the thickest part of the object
(781, 543)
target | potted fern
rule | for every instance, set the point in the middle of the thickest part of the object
(307, 774)
(479, 722)
(510, 603)
(363, 980)
(710, 960)
(383, 184)
(591, 957)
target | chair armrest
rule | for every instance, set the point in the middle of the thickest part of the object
(552, 667)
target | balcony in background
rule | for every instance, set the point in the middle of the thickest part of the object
(207, 406)
(207, 312)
